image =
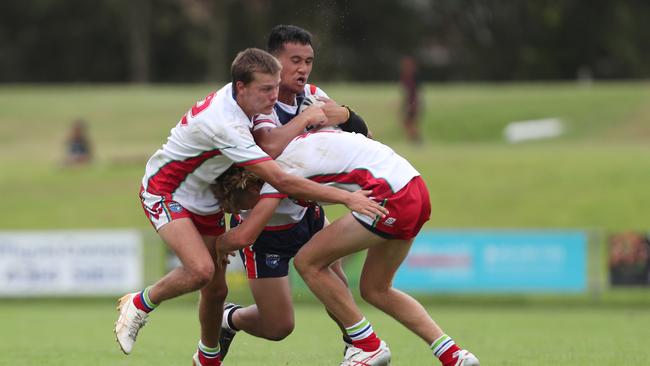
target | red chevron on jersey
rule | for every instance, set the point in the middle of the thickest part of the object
(170, 176)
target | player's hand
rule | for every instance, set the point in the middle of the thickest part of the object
(222, 253)
(315, 117)
(336, 114)
(360, 202)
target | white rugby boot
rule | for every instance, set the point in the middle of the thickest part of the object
(356, 357)
(129, 322)
(465, 358)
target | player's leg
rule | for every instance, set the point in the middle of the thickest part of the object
(196, 270)
(343, 237)
(337, 267)
(271, 317)
(382, 262)
(211, 301)
(197, 267)
(379, 269)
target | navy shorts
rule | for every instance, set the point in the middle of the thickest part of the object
(269, 255)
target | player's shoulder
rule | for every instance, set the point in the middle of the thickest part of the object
(312, 89)
(222, 108)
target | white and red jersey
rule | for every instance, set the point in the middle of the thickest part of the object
(210, 137)
(345, 160)
(287, 212)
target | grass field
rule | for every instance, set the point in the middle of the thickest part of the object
(70, 333)
(594, 177)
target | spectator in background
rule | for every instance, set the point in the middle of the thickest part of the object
(78, 150)
(629, 259)
(411, 101)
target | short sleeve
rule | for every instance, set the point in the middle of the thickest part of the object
(236, 143)
(265, 121)
(268, 191)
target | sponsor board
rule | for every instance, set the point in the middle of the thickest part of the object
(60, 263)
(495, 261)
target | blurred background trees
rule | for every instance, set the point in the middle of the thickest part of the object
(454, 40)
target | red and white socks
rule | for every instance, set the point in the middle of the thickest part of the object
(444, 348)
(142, 301)
(363, 336)
(209, 356)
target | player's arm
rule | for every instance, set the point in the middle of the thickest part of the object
(299, 187)
(344, 117)
(274, 140)
(248, 231)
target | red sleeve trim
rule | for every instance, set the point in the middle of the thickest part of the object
(254, 161)
(266, 120)
(274, 195)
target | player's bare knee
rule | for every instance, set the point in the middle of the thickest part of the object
(279, 331)
(216, 293)
(305, 266)
(201, 275)
(301, 264)
(374, 295)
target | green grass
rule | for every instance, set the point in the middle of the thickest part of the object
(57, 332)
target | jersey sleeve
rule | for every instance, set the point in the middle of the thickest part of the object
(311, 89)
(236, 143)
(265, 121)
(268, 191)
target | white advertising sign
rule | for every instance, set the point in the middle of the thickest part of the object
(84, 262)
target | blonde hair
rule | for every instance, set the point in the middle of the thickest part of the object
(232, 186)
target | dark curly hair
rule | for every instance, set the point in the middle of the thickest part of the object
(232, 186)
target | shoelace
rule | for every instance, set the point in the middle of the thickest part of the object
(350, 352)
(139, 321)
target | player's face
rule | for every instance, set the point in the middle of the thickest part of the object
(260, 94)
(297, 60)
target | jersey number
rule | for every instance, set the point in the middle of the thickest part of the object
(198, 108)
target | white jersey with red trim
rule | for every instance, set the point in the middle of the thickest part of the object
(210, 137)
(287, 212)
(345, 160)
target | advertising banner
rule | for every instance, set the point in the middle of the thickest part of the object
(495, 261)
(97, 262)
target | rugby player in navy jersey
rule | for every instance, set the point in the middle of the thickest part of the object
(267, 258)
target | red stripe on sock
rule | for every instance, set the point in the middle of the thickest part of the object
(448, 358)
(137, 301)
(368, 344)
(209, 361)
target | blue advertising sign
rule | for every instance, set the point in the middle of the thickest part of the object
(495, 261)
